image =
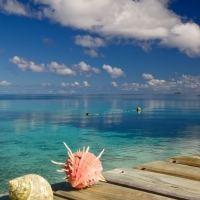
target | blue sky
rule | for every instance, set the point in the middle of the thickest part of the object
(99, 46)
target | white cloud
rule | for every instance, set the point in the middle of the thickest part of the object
(27, 65)
(85, 83)
(145, 21)
(130, 86)
(13, 7)
(186, 83)
(64, 84)
(189, 78)
(82, 67)
(114, 72)
(141, 22)
(74, 84)
(96, 70)
(91, 52)
(114, 84)
(147, 76)
(189, 81)
(180, 82)
(185, 37)
(155, 82)
(54, 67)
(88, 41)
(60, 69)
(5, 83)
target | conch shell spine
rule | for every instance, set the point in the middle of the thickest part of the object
(82, 168)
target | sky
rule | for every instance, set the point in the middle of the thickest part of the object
(99, 46)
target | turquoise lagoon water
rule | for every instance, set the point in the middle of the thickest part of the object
(33, 128)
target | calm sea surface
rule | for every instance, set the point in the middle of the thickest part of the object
(33, 128)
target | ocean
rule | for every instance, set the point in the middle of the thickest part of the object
(34, 127)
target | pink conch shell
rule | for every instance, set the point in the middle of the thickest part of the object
(82, 168)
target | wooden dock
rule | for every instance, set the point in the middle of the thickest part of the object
(175, 178)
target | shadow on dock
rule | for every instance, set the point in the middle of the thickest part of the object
(4, 197)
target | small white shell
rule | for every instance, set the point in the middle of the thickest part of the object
(30, 187)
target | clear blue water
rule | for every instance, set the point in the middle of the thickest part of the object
(33, 128)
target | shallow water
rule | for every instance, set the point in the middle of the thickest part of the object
(33, 128)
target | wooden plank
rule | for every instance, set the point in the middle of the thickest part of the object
(100, 191)
(105, 191)
(171, 169)
(162, 184)
(197, 154)
(192, 160)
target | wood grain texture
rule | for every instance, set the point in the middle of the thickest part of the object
(163, 184)
(106, 191)
(192, 160)
(171, 169)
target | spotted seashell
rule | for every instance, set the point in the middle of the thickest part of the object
(30, 187)
(82, 168)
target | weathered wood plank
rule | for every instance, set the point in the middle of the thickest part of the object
(171, 169)
(163, 184)
(196, 154)
(105, 191)
(192, 160)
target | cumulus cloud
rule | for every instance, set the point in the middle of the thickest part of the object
(96, 70)
(114, 72)
(155, 82)
(114, 84)
(60, 69)
(143, 23)
(130, 86)
(147, 76)
(152, 84)
(82, 67)
(64, 84)
(91, 52)
(13, 7)
(75, 84)
(189, 81)
(146, 21)
(54, 67)
(186, 37)
(24, 65)
(85, 83)
(5, 83)
(88, 41)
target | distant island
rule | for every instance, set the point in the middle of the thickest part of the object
(177, 92)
